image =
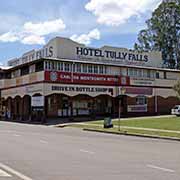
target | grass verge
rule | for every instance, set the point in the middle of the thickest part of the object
(172, 124)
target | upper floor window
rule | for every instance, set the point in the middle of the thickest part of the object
(157, 75)
(39, 66)
(2, 75)
(96, 69)
(67, 67)
(165, 75)
(101, 71)
(78, 67)
(85, 68)
(24, 70)
(148, 73)
(134, 72)
(15, 73)
(32, 68)
(90, 68)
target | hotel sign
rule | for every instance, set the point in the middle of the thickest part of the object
(32, 55)
(114, 55)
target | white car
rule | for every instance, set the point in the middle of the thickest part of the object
(176, 110)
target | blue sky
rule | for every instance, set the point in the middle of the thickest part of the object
(29, 24)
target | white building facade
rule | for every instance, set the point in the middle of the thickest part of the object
(67, 79)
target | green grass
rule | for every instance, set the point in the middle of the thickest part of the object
(172, 123)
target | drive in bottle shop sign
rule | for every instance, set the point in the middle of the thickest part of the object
(83, 78)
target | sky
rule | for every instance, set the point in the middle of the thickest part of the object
(30, 24)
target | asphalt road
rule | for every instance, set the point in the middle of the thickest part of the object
(35, 152)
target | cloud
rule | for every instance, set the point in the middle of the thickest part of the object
(117, 12)
(86, 38)
(9, 37)
(44, 28)
(33, 39)
(33, 33)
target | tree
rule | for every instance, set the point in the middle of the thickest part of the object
(176, 88)
(163, 33)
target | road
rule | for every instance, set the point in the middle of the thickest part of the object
(35, 152)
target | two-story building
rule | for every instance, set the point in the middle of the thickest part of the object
(68, 79)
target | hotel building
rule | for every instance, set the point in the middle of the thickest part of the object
(66, 79)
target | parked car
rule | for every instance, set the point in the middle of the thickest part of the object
(176, 110)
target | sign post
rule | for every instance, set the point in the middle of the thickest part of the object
(122, 92)
(119, 119)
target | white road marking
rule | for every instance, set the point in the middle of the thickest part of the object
(42, 141)
(85, 151)
(4, 174)
(160, 168)
(12, 171)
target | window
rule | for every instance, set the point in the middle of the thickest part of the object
(165, 75)
(2, 75)
(39, 66)
(46, 65)
(148, 73)
(84, 68)
(60, 66)
(101, 69)
(54, 65)
(124, 72)
(141, 100)
(130, 72)
(67, 67)
(105, 70)
(32, 68)
(144, 73)
(139, 72)
(96, 69)
(25, 70)
(157, 75)
(152, 74)
(78, 67)
(49, 65)
(90, 68)
(16, 73)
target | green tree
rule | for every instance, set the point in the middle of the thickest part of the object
(176, 88)
(163, 33)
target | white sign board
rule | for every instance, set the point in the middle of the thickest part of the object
(37, 101)
(142, 81)
(137, 108)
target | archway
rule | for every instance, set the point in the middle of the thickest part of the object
(58, 105)
(83, 105)
(103, 105)
(18, 108)
(26, 107)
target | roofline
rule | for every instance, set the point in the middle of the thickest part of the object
(111, 63)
